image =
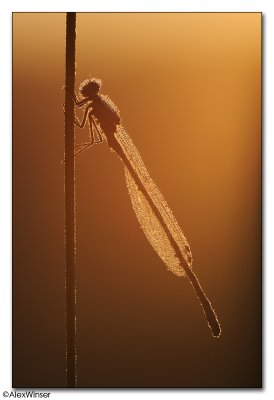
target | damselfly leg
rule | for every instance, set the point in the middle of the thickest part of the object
(84, 146)
(92, 127)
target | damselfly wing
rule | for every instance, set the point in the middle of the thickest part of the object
(156, 227)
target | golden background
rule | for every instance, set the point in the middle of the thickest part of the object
(188, 86)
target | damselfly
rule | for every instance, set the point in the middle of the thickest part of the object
(151, 209)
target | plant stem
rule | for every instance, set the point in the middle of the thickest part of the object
(70, 205)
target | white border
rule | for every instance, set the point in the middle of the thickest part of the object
(135, 5)
(6, 9)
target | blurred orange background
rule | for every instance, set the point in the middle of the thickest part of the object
(188, 86)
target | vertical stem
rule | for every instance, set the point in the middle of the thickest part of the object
(70, 231)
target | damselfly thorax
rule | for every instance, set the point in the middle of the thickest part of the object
(103, 117)
(152, 211)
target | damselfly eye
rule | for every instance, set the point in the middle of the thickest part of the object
(90, 87)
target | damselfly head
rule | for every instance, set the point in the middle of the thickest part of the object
(90, 87)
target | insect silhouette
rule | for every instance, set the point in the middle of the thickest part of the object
(154, 215)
